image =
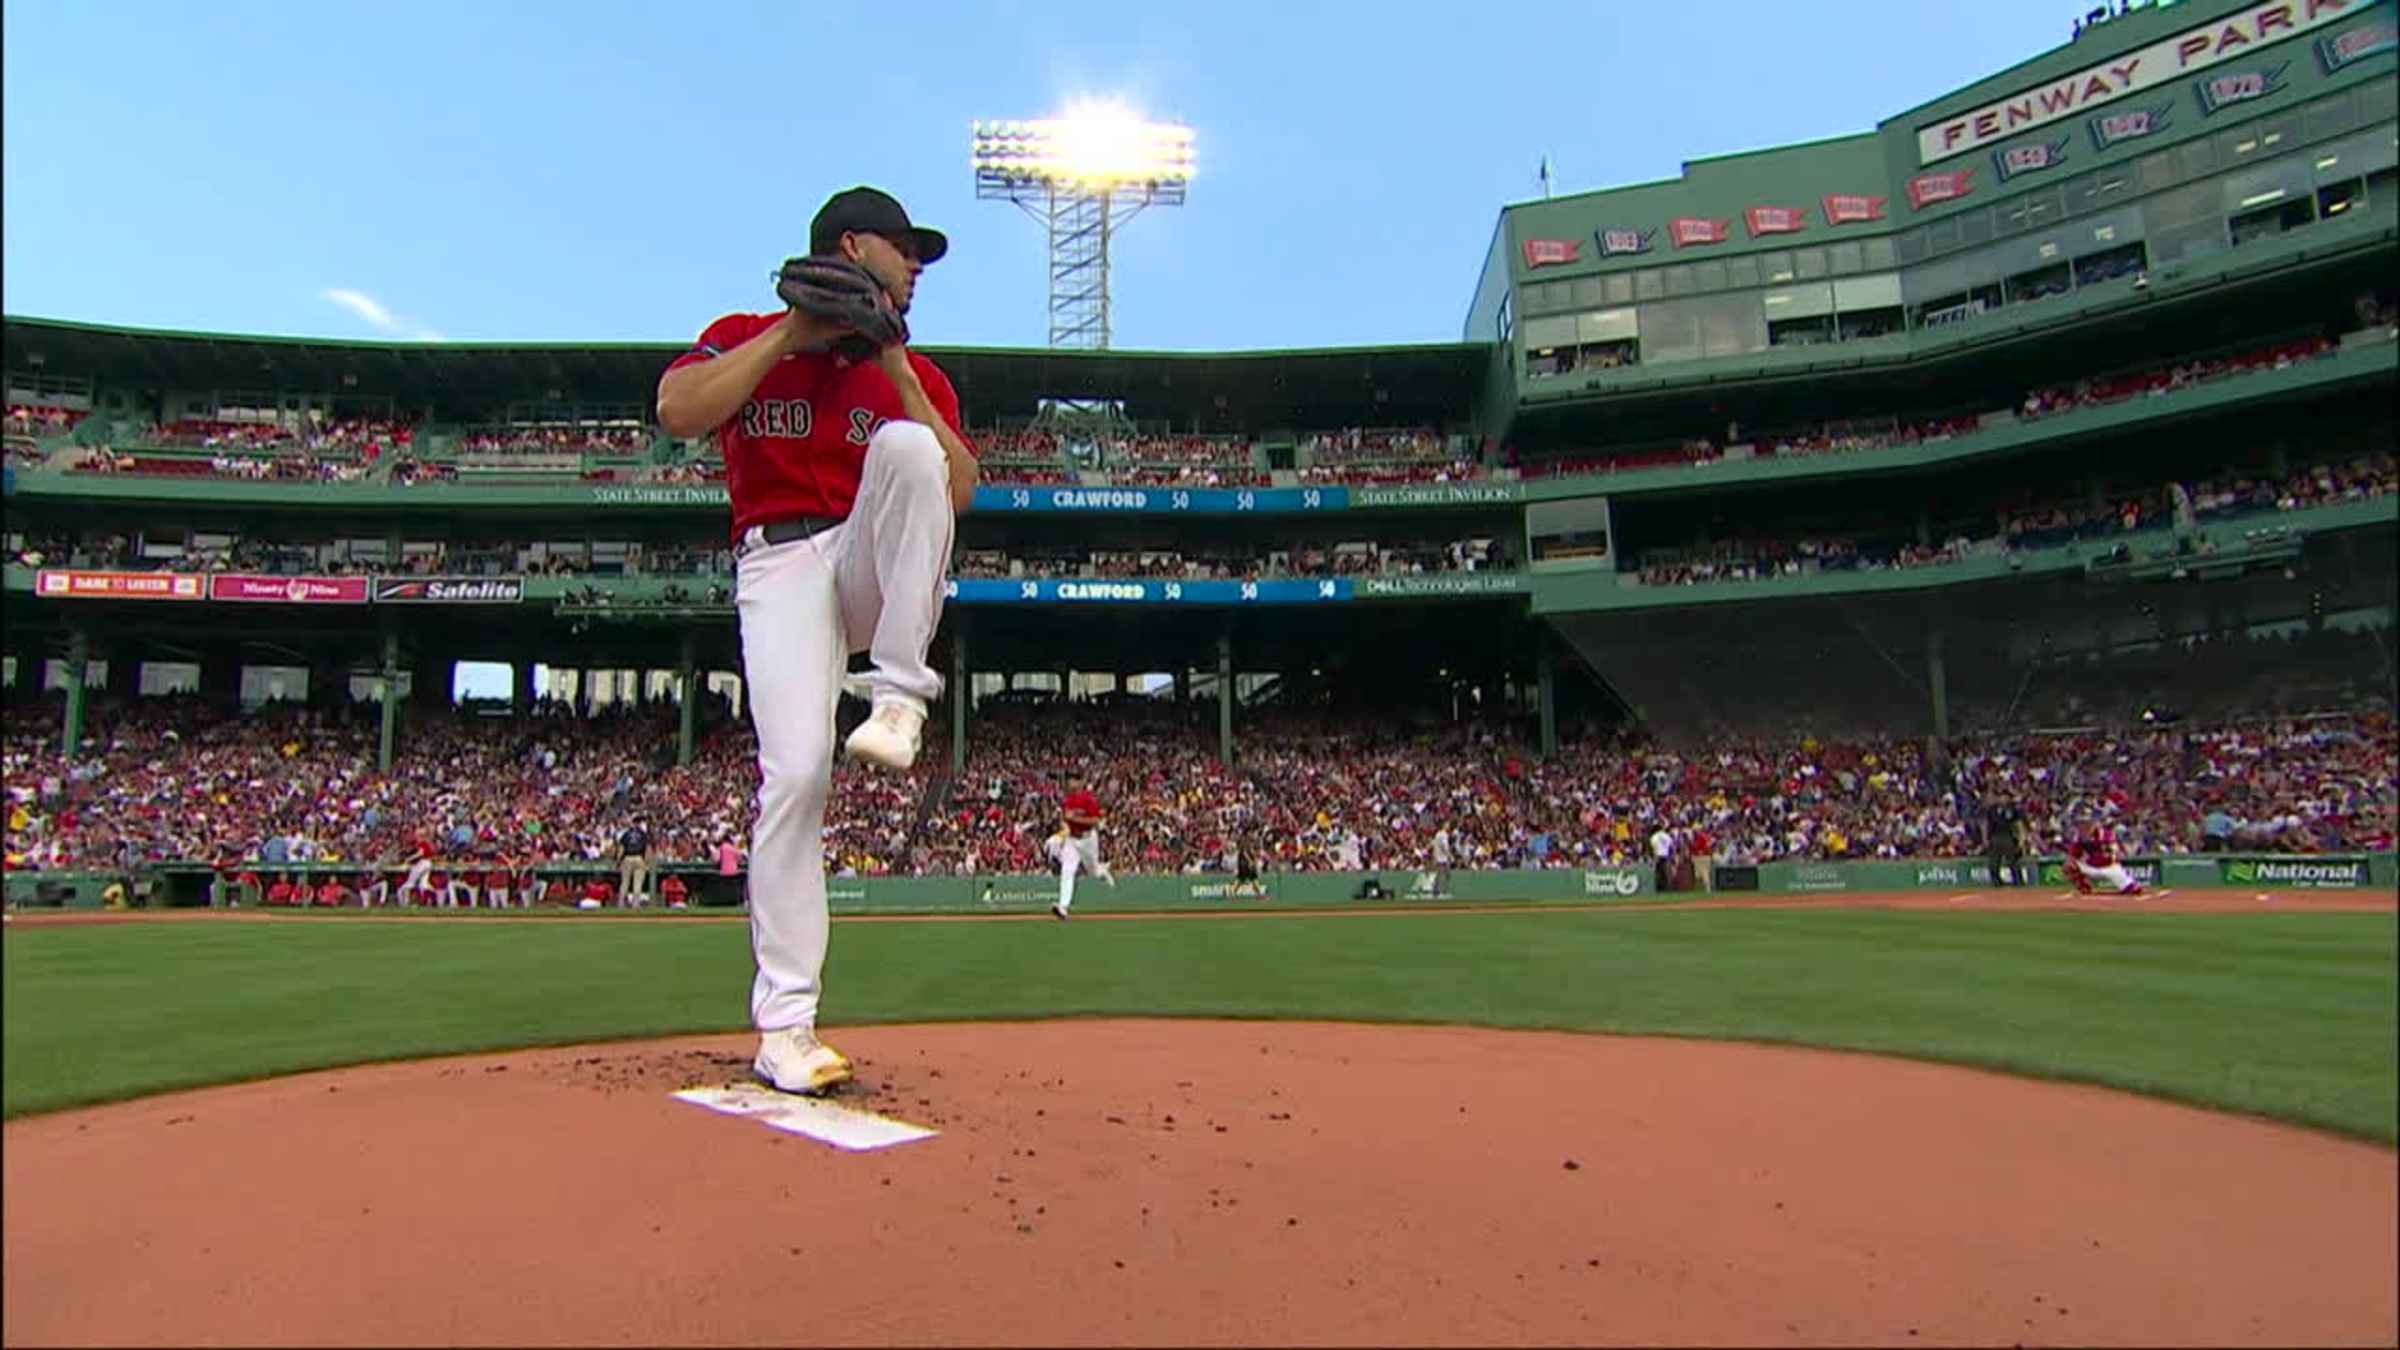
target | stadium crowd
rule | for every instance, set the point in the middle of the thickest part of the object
(506, 441)
(2046, 525)
(1855, 435)
(42, 419)
(169, 778)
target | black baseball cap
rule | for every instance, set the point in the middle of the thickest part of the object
(868, 211)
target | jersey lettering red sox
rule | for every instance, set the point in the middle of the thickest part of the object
(797, 445)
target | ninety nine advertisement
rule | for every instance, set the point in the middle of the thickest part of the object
(73, 584)
(288, 590)
(1606, 881)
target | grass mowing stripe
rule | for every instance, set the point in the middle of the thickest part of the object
(2287, 1015)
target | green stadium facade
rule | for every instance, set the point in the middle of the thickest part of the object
(2181, 186)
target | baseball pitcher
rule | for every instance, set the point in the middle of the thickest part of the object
(846, 468)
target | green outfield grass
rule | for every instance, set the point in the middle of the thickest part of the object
(2287, 1015)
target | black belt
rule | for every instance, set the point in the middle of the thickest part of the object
(798, 527)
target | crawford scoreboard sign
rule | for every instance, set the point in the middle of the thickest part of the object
(2164, 62)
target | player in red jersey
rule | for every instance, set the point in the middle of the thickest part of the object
(2097, 865)
(846, 477)
(1076, 846)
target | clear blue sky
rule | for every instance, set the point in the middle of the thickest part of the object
(607, 171)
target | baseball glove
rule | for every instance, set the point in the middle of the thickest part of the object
(847, 295)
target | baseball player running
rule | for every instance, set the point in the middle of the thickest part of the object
(1076, 847)
(847, 469)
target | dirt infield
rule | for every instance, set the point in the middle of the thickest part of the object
(1143, 1182)
(2031, 899)
(1190, 1182)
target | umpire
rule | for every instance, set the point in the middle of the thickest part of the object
(2002, 822)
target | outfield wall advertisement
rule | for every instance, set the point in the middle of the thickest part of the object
(187, 884)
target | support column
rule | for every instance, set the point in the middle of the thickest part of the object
(1225, 699)
(221, 676)
(1545, 674)
(79, 661)
(687, 684)
(522, 693)
(961, 693)
(432, 680)
(388, 677)
(328, 681)
(1937, 682)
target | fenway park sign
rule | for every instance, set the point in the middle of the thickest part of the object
(2180, 57)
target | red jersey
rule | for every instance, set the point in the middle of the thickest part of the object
(1080, 807)
(796, 446)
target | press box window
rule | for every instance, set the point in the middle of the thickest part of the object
(2274, 212)
(2381, 187)
(1867, 307)
(2336, 199)
(1799, 316)
(2038, 284)
(1956, 307)
(2125, 260)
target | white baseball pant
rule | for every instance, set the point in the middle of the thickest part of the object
(2114, 877)
(872, 583)
(1075, 854)
(416, 883)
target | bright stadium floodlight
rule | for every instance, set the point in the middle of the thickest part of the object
(1082, 175)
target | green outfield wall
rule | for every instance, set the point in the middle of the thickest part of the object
(184, 886)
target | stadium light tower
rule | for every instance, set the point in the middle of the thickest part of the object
(1083, 175)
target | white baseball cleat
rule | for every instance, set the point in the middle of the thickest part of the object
(794, 1060)
(890, 737)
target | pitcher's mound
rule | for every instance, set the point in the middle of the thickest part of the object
(1185, 1182)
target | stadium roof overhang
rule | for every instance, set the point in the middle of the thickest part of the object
(1400, 385)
